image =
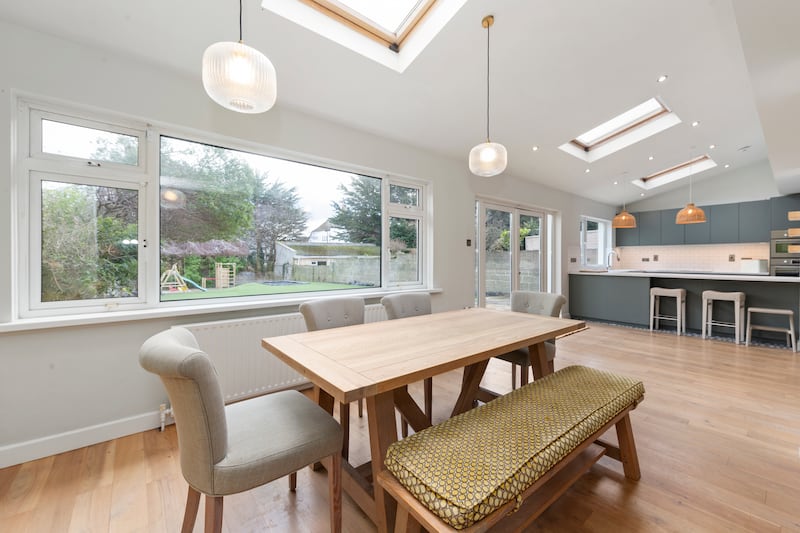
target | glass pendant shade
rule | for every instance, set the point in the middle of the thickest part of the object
(691, 214)
(624, 220)
(239, 78)
(488, 159)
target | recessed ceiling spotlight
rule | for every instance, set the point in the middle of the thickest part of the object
(712, 146)
(727, 165)
(587, 170)
(695, 124)
(662, 78)
(616, 183)
(535, 148)
(650, 158)
(641, 194)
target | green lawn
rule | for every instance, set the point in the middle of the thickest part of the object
(252, 289)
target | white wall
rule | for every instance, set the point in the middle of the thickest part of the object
(65, 387)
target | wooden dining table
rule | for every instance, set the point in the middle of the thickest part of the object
(377, 362)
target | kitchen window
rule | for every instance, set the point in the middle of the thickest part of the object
(595, 238)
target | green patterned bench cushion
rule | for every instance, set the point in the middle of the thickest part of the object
(466, 467)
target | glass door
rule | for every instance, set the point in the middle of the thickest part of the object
(510, 252)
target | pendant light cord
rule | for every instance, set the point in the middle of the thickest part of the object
(240, 21)
(488, 28)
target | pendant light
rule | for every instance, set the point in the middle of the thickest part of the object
(238, 77)
(691, 214)
(488, 159)
(623, 219)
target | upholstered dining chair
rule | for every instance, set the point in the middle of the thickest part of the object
(229, 449)
(537, 303)
(403, 305)
(336, 312)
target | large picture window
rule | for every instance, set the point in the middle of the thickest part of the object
(224, 222)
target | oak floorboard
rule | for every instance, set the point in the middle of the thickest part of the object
(717, 436)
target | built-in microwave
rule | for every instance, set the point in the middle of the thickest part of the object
(784, 243)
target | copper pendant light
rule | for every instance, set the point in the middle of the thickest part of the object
(691, 214)
(624, 220)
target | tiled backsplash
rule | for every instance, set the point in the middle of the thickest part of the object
(700, 257)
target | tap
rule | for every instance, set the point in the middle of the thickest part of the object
(609, 257)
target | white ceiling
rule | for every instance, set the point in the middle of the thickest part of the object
(559, 68)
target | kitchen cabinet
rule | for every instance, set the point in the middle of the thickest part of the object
(615, 299)
(671, 233)
(779, 208)
(723, 223)
(628, 236)
(649, 223)
(754, 221)
(697, 233)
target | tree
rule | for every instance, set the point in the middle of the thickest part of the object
(278, 217)
(358, 215)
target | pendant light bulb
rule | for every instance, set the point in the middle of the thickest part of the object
(239, 77)
(488, 159)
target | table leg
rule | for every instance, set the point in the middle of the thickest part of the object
(538, 356)
(469, 386)
(324, 400)
(382, 432)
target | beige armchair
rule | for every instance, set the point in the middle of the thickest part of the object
(537, 303)
(336, 312)
(403, 305)
(229, 449)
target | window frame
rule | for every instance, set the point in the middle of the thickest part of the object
(30, 162)
(604, 243)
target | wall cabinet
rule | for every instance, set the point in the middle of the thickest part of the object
(727, 223)
(671, 233)
(628, 236)
(780, 206)
(723, 223)
(754, 221)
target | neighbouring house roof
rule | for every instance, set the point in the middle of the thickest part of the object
(329, 249)
(215, 247)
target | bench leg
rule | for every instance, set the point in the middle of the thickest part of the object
(627, 449)
(405, 523)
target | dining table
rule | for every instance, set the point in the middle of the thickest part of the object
(378, 360)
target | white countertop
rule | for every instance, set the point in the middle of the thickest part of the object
(685, 274)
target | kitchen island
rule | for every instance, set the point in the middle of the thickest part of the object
(623, 296)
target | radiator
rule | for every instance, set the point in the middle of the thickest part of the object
(245, 368)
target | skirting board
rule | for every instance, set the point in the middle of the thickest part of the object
(21, 452)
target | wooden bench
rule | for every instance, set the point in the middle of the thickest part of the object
(509, 459)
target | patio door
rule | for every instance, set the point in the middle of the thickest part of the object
(511, 251)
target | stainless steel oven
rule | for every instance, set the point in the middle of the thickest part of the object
(784, 244)
(784, 267)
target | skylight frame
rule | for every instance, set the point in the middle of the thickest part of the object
(688, 168)
(360, 23)
(636, 124)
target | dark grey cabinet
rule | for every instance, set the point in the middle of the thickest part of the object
(780, 207)
(697, 233)
(612, 298)
(649, 223)
(723, 223)
(754, 221)
(671, 233)
(628, 236)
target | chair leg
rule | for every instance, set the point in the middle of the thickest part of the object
(428, 385)
(293, 482)
(190, 514)
(334, 467)
(344, 421)
(403, 427)
(513, 376)
(523, 374)
(360, 407)
(213, 514)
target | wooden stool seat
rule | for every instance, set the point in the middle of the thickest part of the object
(738, 312)
(655, 307)
(790, 336)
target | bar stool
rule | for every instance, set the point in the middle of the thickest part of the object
(680, 303)
(790, 336)
(738, 311)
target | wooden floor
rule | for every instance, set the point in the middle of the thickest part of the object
(718, 436)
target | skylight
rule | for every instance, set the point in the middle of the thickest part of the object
(683, 170)
(391, 32)
(636, 124)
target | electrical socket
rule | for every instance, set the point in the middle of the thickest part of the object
(655, 257)
(731, 258)
(645, 259)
